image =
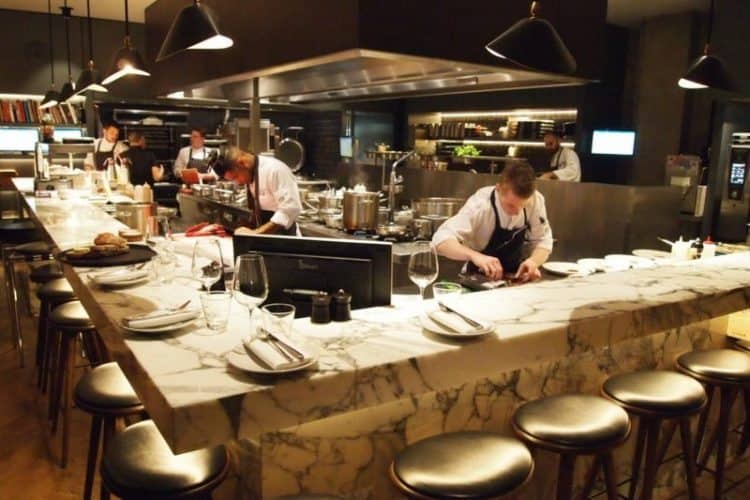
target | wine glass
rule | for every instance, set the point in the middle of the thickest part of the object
(423, 265)
(207, 266)
(157, 229)
(250, 283)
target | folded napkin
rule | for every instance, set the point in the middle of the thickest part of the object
(268, 354)
(452, 321)
(119, 276)
(160, 317)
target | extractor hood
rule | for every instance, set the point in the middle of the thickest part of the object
(347, 50)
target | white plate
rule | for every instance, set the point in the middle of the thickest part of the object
(244, 362)
(159, 329)
(631, 261)
(592, 264)
(651, 254)
(561, 268)
(432, 326)
(116, 284)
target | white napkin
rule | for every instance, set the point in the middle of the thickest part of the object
(160, 317)
(114, 277)
(271, 357)
(452, 321)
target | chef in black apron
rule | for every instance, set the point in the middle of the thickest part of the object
(493, 227)
(106, 148)
(272, 194)
(564, 165)
(195, 156)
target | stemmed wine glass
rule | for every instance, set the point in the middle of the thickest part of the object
(205, 267)
(250, 284)
(423, 265)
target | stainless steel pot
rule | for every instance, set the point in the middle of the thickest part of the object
(445, 207)
(135, 215)
(423, 228)
(333, 220)
(360, 211)
(391, 230)
(437, 221)
(204, 190)
(403, 217)
(329, 201)
(383, 214)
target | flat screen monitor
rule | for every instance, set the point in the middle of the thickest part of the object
(62, 133)
(345, 147)
(21, 139)
(298, 267)
(613, 142)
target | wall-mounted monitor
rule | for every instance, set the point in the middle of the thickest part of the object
(18, 139)
(62, 133)
(613, 142)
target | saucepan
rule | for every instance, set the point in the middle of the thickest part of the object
(391, 230)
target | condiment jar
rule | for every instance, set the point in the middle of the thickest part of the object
(321, 308)
(342, 310)
(709, 249)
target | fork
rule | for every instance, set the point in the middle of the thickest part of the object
(470, 321)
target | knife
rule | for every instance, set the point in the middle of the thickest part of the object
(291, 350)
(470, 321)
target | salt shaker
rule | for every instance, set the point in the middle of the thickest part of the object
(321, 308)
(342, 306)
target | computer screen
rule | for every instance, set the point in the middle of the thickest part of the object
(18, 138)
(613, 142)
(67, 133)
(298, 267)
(345, 147)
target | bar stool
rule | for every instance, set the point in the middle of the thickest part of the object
(745, 439)
(465, 464)
(69, 320)
(728, 371)
(139, 464)
(106, 394)
(46, 272)
(51, 294)
(653, 397)
(571, 425)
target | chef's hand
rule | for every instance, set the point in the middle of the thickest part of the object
(528, 271)
(245, 230)
(546, 175)
(489, 265)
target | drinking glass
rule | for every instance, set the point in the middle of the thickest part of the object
(445, 289)
(216, 309)
(164, 265)
(205, 267)
(158, 232)
(250, 283)
(423, 265)
(278, 318)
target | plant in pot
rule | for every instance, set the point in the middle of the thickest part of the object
(466, 152)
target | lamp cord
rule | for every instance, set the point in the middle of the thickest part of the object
(66, 15)
(51, 49)
(127, 21)
(710, 25)
(91, 36)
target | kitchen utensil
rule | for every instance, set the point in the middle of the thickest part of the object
(383, 214)
(326, 200)
(423, 228)
(435, 327)
(360, 211)
(404, 217)
(291, 152)
(445, 308)
(436, 220)
(391, 230)
(321, 308)
(445, 207)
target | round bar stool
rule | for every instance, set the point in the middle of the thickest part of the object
(462, 465)
(725, 370)
(653, 397)
(139, 464)
(571, 425)
(106, 394)
(69, 320)
(308, 496)
(743, 345)
(46, 272)
(51, 294)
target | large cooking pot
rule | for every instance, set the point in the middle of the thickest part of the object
(360, 211)
(445, 207)
(135, 215)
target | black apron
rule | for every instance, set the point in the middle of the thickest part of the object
(556, 157)
(101, 157)
(259, 215)
(505, 244)
(200, 165)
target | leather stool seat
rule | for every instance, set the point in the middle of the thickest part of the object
(139, 464)
(45, 273)
(33, 248)
(71, 315)
(17, 225)
(106, 387)
(725, 364)
(572, 421)
(56, 290)
(464, 465)
(18, 231)
(309, 496)
(659, 391)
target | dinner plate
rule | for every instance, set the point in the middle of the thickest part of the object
(561, 268)
(123, 283)
(159, 329)
(592, 265)
(246, 363)
(631, 261)
(651, 254)
(432, 326)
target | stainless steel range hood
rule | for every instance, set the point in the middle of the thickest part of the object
(364, 49)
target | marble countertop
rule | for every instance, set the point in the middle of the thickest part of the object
(383, 355)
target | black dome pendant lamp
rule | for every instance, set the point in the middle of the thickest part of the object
(127, 60)
(52, 97)
(69, 88)
(90, 79)
(534, 44)
(707, 71)
(194, 28)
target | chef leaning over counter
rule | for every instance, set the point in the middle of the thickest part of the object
(272, 192)
(107, 148)
(490, 230)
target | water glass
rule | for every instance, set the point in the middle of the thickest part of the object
(164, 265)
(423, 265)
(445, 290)
(207, 265)
(278, 318)
(216, 307)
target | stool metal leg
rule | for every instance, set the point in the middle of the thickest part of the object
(687, 450)
(70, 367)
(591, 476)
(635, 466)
(565, 476)
(41, 342)
(702, 420)
(12, 297)
(109, 431)
(745, 440)
(649, 474)
(728, 395)
(96, 428)
(608, 464)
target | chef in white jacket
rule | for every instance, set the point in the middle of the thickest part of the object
(196, 155)
(490, 230)
(107, 149)
(564, 164)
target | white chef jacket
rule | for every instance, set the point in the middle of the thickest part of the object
(277, 190)
(104, 146)
(474, 224)
(184, 155)
(566, 165)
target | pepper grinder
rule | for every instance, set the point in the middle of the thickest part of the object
(342, 306)
(321, 308)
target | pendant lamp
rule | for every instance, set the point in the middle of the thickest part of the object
(707, 71)
(52, 97)
(127, 60)
(193, 28)
(534, 44)
(90, 79)
(68, 89)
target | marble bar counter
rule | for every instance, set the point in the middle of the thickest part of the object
(382, 381)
